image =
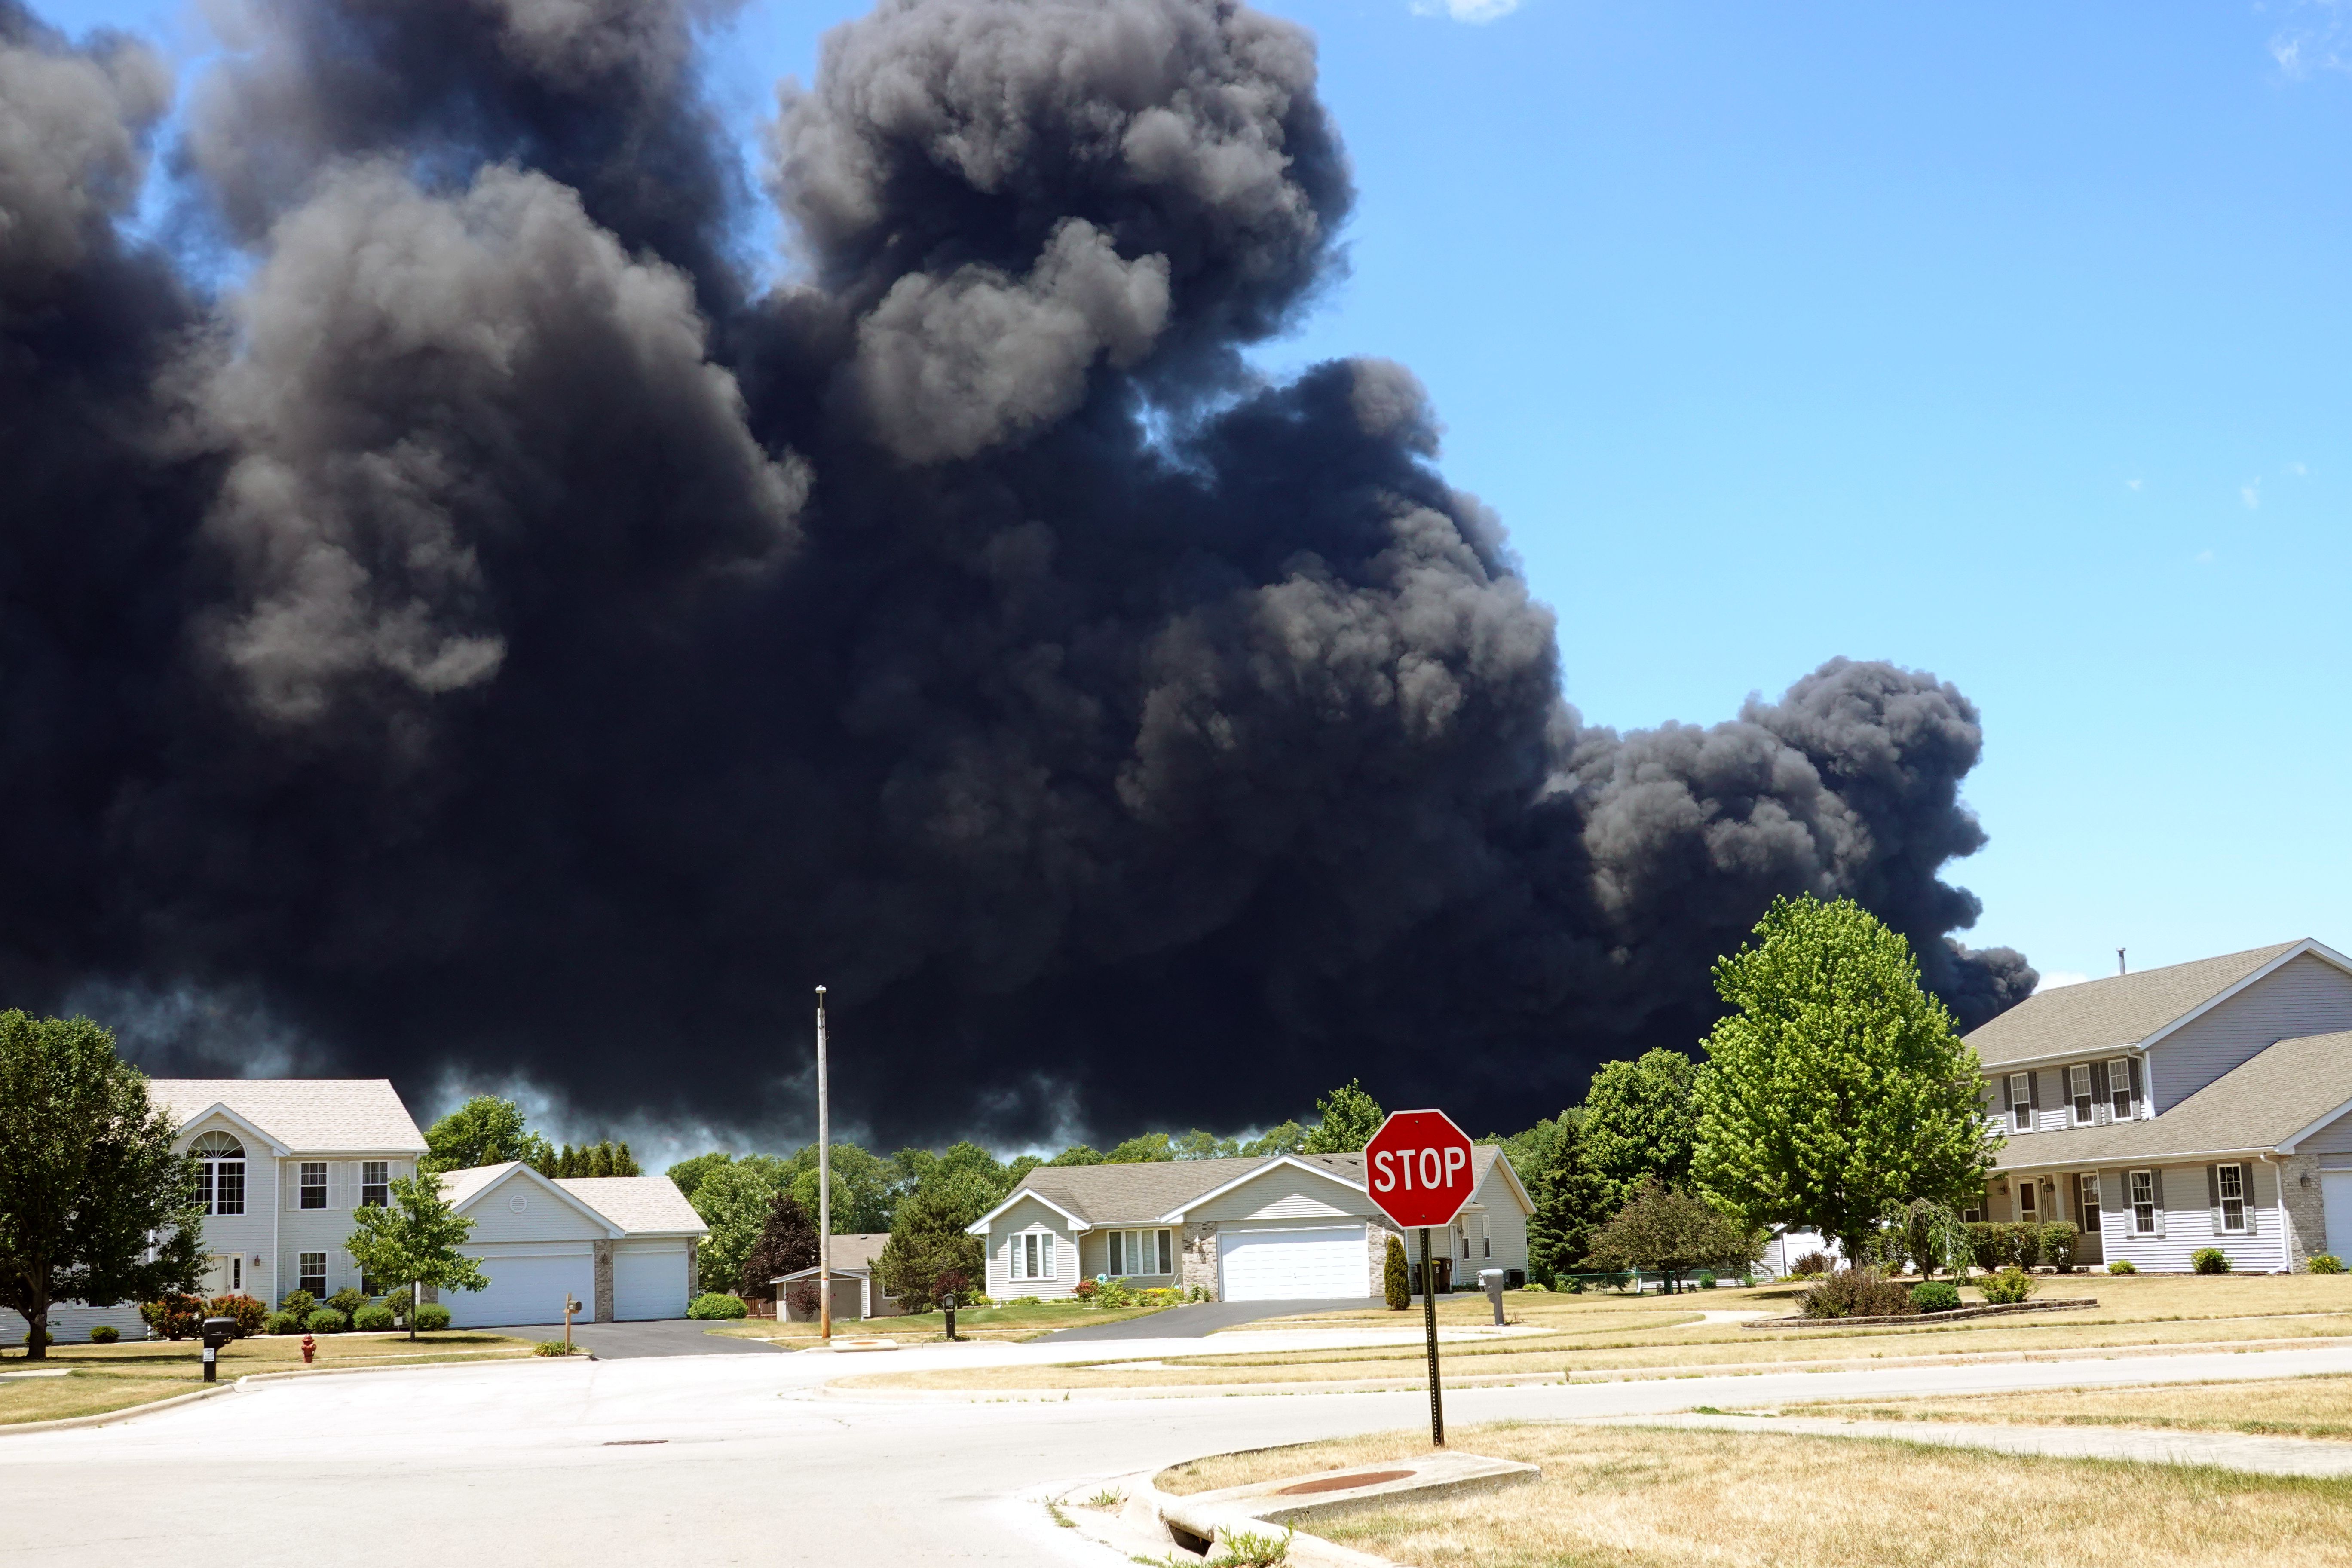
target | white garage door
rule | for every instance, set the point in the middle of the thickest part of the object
(526, 1287)
(649, 1280)
(2336, 1192)
(1322, 1264)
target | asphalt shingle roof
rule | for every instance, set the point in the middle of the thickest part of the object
(854, 1249)
(1139, 1194)
(313, 1115)
(2122, 1009)
(2265, 1100)
(638, 1205)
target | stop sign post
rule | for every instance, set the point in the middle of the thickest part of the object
(1417, 1167)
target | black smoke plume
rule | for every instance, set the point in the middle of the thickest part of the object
(498, 633)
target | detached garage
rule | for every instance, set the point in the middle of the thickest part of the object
(622, 1247)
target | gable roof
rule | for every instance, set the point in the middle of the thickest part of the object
(641, 1205)
(853, 1253)
(463, 1189)
(261, 1135)
(2124, 1009)
(1160, 1192)
(2274, 1097)
(305, 1114)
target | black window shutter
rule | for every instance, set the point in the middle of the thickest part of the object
(2103, 1107)
(2033, 1092)
(2137, 1093)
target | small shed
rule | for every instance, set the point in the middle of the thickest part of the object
(855, 1292)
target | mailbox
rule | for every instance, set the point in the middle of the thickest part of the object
(1491, 1282)
(947, 1306)
(217, 1332)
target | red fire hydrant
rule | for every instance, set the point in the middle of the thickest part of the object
(310, 1348)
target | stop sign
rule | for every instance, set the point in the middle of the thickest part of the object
(1418, 1168)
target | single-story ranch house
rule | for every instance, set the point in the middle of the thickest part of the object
(855, 1294)
(2206, 1104)
(1283, 1227)
(286, 1161)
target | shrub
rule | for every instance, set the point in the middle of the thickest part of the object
(714, 1306)
(1396, 1275)
(1086, 1292)
(247, 1312)
(2324, 1263)
(173, 1317)
(554, 1347)
(1856, 1293)
(299, 1302)
(2123, 1266)
(432, 1318)
(1025, 1301)
(2209, 1260)
(105, 1335)
(2058, 1241)
(2008, 1287)
(1706, 1281)
(347, 1300)
(326, 1320)
(1934, 1296)
(1112, 1294)
(373, 1320)
(1576, 1286)
(282, 1323)
(1813, 1263)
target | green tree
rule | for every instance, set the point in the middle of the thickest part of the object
(1639, 1122)
(1662, 1231)
(1836, 1086)
(1566, 1192)
(787, 1244)
(1077, 1154)
(734, 1200)
(865, 1188)
(1396, 1277)
(1346, 1118)
(1149, 1149)
(414, 1241)
(1288, 1138)
(89, 1179)
(484, 1130)
(1199, 1145)
(927, 1241)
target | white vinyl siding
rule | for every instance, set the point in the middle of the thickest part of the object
(2308, 996)
(1007, 1251)
(70, 1322)
(1285, 1192)
(2192, 1213)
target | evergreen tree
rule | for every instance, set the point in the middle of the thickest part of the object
(1348, 1117)
(927, 1242)
(1566, 1191)
(1837, 1086)
(1396, 1275)
(787, 1244)
(1639, 1121)
(600, 1160)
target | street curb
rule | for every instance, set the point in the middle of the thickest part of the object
(108, 1418)
(1176, 1391)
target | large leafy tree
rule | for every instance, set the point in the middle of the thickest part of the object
(787, 1244)
(1639, 1122)
(484, 1130)
(734, 1200)
(1567, 1192)
(927, 1243)
(865, 1187)
(1348, 1118)
(1665, 1232)
(1836, 1086)
(414, 1240)
(94, 1203)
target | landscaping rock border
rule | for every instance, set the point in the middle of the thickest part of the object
(2056, 1304)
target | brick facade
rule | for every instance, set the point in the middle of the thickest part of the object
(1199, 1267)
(2307, 1217)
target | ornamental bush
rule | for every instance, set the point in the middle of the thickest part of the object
(1935, 1296)
(1396, 1275)
(326, 1320)
(282, 1323)
(173, 1317)
(247, 1312)
(2008, 1287)
(1856, 1293)
(1813, 1263)
(2209, 1260)
(2325, 1263)
(432, 1318)
(375, 1320)
(347, 1300)
(554, 1347)
(105, 1335)
(299, 1302)
(2123, 1266)
(714, 1306)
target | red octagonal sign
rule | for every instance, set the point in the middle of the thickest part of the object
(1418, 1168)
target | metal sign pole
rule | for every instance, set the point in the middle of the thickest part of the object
(824, 1186)
(1429, 1318)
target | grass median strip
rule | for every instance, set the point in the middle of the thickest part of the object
(101, 1379)
(1025, 1320)
(2317, 1407)
(1645, 1498)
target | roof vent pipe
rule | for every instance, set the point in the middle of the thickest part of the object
(2120, 968)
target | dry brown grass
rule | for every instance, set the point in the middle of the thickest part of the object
(1540, 1307)
(2317, 1406)
(1630, 1497)
(101, 1378)
(81, 1392)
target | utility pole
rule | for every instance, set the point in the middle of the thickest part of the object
(824, 1186)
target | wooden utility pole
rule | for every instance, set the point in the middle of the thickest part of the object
(824, 1186)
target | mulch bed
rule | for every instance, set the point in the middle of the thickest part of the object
(2058, 1304)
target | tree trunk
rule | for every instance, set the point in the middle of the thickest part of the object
(36, 1330)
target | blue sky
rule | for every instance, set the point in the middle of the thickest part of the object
(2007, 342)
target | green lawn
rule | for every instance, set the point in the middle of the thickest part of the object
(101, 1378)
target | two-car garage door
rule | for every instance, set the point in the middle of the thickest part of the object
(527, 1286)
(1297, 1264)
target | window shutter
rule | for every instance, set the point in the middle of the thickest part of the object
(2213, 1195)
(2102, 1106)
(2155, 1180)
(2138, 1093)
(2034, 1093)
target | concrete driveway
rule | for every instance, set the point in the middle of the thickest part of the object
(1198, 1318)
(719, 1460)
(630, 1342)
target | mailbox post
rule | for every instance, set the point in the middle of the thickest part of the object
(217, 1332)
(947, 1305)
(1491, 1282)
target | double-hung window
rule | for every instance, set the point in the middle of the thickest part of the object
(2021, 1101)
(1134, 1252)
(2078, 1083)
(2143, 1202)
(314, 1184)
(1033, 1256)
(375, 1184)
(220, 1163)
(2087, 1187)
(2230, 1182)
(313, 1275)
(2119, 1087)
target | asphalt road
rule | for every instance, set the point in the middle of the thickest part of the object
(736, 1459)
(1197, 1318)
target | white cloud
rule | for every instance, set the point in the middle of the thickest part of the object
(2315, 38)
(1466, 10)
(2298, 470)
(2203, 558)
(2131, 484)
(2252, 494)
(2057, 979)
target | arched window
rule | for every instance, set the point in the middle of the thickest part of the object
(221, 1158)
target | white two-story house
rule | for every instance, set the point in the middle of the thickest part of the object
(2205, 1104)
